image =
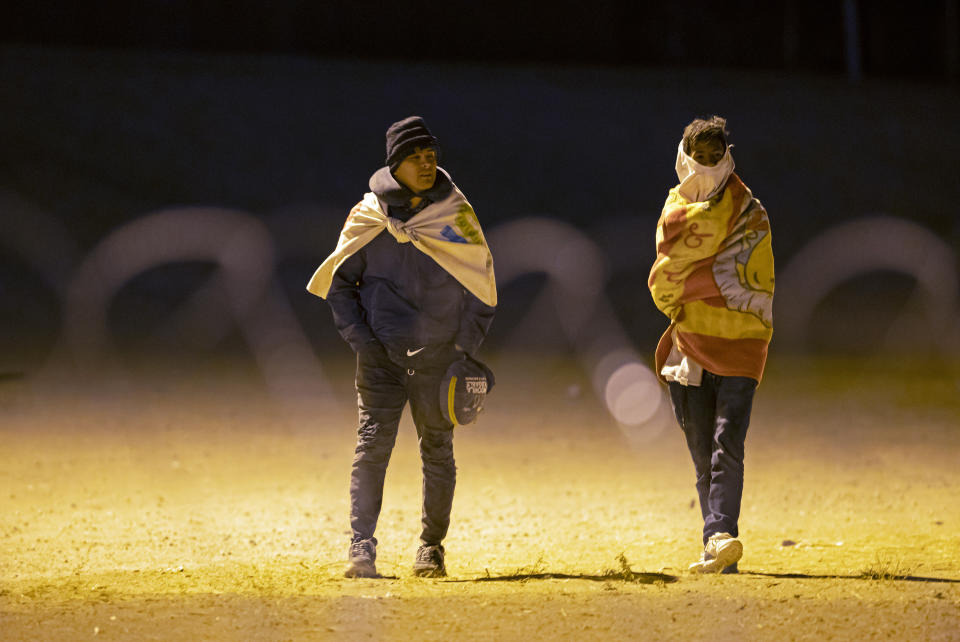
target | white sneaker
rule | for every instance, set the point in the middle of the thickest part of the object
(721, 551)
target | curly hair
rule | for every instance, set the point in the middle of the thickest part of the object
(713, 128)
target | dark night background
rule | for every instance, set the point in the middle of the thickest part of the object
(570, 111)
(896, 39)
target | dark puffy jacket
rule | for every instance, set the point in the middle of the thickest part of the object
(394, 293)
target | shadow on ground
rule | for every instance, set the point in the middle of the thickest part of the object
(636, 578)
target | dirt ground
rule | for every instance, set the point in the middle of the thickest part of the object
(190, 506)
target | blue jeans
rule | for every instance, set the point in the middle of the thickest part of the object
(714, 417)
(383, 389)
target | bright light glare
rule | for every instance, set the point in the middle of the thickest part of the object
(632, 394)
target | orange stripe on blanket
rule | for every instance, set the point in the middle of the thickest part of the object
(726, 357)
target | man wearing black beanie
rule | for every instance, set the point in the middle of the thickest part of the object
(409, 302)
(406, 135)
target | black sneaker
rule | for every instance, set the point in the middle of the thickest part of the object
(429, 562)
(363, 554)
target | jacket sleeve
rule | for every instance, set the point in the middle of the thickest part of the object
(474, 323)
(344, 299)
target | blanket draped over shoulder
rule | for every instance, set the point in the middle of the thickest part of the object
(714, 277)
(447, 231)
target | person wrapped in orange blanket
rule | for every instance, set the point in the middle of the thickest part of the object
(713, 277)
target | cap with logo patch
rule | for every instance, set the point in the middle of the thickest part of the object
(463, 390)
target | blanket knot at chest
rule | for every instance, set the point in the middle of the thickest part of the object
(400, 231)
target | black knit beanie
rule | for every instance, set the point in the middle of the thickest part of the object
(406, 135)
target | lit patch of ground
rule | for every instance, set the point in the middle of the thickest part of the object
(194, 508)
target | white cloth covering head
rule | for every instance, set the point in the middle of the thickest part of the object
(700, 182)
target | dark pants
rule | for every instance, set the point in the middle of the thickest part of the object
(714, 417)
(383, 388)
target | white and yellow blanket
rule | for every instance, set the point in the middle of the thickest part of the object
(447, 231)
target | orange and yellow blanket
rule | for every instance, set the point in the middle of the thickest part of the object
(713, 277)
